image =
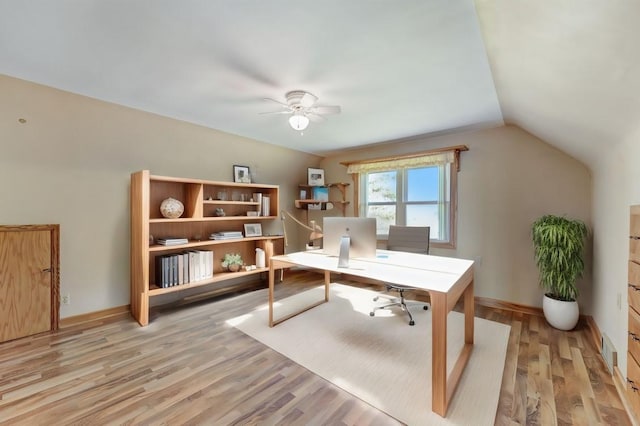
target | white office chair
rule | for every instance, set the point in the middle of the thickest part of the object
(413, 239)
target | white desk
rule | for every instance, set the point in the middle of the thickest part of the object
(446, 279)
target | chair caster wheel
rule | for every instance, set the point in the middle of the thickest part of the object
(372, 313)
(425, 307)
(412, 323)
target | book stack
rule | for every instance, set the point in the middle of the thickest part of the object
(171, 241)
(226, 235)
(183, 268)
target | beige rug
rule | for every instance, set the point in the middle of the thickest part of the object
(382, 360)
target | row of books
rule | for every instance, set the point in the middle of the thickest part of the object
(265, 206)
(183, 268)
(226, 235)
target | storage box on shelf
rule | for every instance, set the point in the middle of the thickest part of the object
(209, 207)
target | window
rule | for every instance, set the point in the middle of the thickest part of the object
(416, 190)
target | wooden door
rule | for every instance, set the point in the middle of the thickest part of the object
(28, 280)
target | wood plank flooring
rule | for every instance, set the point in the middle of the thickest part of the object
(189, 367)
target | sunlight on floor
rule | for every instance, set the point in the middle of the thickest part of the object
(238, 320)
(360, 304)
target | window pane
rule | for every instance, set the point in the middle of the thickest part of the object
(422, 184)
(385, 216)
(424, 215)
(415, 196)
(381, 187)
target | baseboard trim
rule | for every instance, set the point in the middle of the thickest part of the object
(525, 309)
(617, 376)
(508, 306)
(594, 331)
(111, 313)
(621, 387)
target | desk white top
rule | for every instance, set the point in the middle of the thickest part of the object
(421, 271)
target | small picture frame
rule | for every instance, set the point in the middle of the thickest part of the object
(241, 174)
(252, 230)
(315, 176)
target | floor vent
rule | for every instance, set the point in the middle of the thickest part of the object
(609, 353)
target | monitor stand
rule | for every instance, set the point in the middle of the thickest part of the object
(343, 259)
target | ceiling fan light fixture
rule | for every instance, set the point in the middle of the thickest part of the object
(298, 121)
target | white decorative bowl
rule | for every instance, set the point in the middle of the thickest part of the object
(171, 208)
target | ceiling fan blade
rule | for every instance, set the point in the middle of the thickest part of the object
(315, 117)
(327, 109)
(308, 100)
(278, 102)
(276, 112)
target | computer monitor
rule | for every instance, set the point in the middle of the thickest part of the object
(361, 241)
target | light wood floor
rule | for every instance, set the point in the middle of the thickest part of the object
(189, 367)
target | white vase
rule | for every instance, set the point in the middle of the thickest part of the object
(561, 315)
(171, 208)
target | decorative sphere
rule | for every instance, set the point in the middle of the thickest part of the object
(171, 208)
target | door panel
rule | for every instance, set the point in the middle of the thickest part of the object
(25, 283)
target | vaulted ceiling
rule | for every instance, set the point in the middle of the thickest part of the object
(568, 72)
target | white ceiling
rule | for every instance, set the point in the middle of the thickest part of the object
(565, 71)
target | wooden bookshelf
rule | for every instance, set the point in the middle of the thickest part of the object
(199, 220)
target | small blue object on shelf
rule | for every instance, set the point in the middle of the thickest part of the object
(321, 193)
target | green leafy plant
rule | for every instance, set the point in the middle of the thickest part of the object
(559, 245)
(231, 259)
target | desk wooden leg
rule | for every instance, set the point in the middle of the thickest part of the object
(327, 281)
(280, 264)
(469, 313)
(439, 353)
(272, 273)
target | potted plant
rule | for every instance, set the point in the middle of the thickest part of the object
(232, 261)
(559, 245)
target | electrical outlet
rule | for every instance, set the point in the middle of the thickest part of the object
(66, 299)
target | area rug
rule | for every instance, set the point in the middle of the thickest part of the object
(382, 360)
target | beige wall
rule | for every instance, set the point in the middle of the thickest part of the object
(508, 178)
(70, 164)
(616, 187)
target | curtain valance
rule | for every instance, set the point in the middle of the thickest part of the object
(427, 158)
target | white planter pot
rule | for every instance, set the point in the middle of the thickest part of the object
(561, 315)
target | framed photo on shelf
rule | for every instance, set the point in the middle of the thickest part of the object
(241, 174)
(252, 230)
(315, 176)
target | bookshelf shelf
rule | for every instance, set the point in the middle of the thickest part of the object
(238, 203)
(243, 218)
(222, 276)
(200, 219)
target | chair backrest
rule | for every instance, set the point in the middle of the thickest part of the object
(413, 239)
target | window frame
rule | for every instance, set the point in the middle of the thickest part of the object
(359, 188)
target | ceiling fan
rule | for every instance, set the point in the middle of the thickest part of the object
(302, 107)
